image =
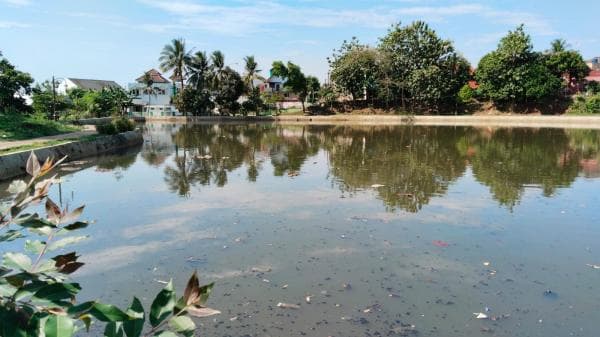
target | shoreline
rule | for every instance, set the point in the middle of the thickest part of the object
(13, 164)
(569, 122)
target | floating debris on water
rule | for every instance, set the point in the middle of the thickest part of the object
(486, 263)
(206, 157)
(285, 286)
(377, 185)
(346, 286)
(288, 305)
(260, 269)
(550, 294)
(594, 266)
(440, 243)
(307, 299)
(161, 281)
(480, 315)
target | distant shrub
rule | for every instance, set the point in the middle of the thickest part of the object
(585, 105)
(593, 88)
(106, 129)
(124, 124)
(116, 126)
(466, 94)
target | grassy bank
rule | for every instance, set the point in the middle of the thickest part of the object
(20, 127)
(38, 145)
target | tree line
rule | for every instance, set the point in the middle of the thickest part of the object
(414, 70)
(208, 84)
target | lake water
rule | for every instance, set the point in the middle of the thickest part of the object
(391, 231)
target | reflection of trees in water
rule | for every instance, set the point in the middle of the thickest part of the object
(414, 163)
(206, 154)
(507, 160)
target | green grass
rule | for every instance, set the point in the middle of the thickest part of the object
(20, 127)
(38, 145)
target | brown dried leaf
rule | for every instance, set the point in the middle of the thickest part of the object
(202, 312)
(53, 211)
(191, 295)
(72, 216)
(33, 165)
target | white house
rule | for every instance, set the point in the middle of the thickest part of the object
(85, 84)
(153, 95)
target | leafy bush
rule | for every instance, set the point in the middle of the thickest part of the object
(593, 88)
(124, 124)
(38, 299)
(466, 94)
(116, 126)
(585, 105)
(106, 129)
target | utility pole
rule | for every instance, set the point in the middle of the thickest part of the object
(53, 99)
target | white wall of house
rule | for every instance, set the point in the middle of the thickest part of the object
(160, 94)
(65, 85)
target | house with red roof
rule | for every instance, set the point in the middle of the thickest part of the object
(594, 76)
(153, 95)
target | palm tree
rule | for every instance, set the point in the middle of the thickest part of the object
(218, 67)
(174, 57)
(558, 45)
(198, 69)
(251, 71)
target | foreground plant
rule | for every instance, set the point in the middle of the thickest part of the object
(36, 296)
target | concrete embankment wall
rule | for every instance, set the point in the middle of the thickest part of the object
(13, 165)
(93, 121)
(581, 122)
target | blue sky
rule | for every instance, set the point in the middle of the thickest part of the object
(119, 39)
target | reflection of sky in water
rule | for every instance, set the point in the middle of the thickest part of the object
(312, 218)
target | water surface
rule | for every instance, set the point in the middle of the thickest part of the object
(383, 228)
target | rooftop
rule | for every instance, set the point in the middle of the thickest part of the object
(89, 84)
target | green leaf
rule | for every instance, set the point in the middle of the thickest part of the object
(81, 308)
(59, 326)
(7, 290)
(205, 292)
(113, 329)
(33, 221)
(65, 242)
(182, 324)
(28, 290)
(134, 327)
(57, 291)
(163, 305)
(108, 313)
(87, 321)
(17, 261)
(34, 246)
(76, 225)
(11, 235)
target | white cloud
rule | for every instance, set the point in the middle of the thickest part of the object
(12, 24)
(17, 3)
(248, 18)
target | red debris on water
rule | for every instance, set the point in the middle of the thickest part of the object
(440, 243)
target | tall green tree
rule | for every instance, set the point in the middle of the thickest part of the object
(198, 69)
(295, 80)
(425, 68)
(514, 73)
(174, 57)
(44, 100)
(354, 69)
(566, 64)
(14, 84)
(251, 72)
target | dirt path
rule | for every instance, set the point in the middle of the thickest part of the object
(87, 130)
